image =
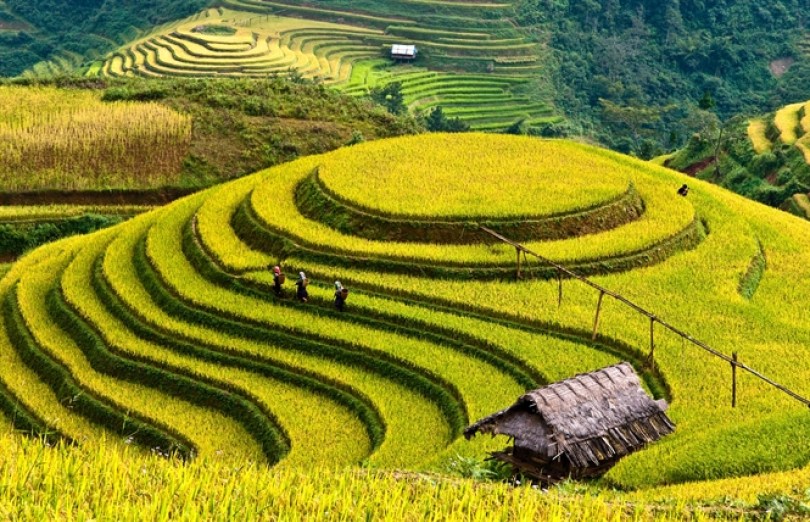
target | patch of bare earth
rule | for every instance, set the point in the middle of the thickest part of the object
(781, 66)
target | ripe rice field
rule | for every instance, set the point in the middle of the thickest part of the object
(344, 45)
(71, 140)
(162, 334)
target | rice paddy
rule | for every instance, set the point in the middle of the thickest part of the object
(491, 86)
(162, 334)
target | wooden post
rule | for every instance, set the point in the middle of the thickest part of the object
(734, 380)
(517, 250)
(652, 342)
(559, 288)
(596, 318)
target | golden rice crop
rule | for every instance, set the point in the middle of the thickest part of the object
(787, 120)
(104, 483)
(756, 133)
(461, 175)
(405, 412)
(53, 138)
(665, 216)
(696, 290)
(470, 375)
(332, 436)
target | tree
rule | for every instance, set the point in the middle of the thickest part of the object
(707, 102)
(636, 119)
(390, 96)
(438, 122)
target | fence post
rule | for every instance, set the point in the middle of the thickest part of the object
(734, 380)
(596, 318)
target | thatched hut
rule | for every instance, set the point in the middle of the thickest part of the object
(579, 427)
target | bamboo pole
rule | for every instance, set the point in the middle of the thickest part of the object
(653, 318)
(734, 380)
(596, 318)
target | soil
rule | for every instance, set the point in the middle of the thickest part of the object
(94, 198)
(781, 66)
(693, 169)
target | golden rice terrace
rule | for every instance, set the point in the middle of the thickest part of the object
(164, 332)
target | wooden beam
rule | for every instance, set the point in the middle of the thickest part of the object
(652, 342)
(734, 380)
(596, 318)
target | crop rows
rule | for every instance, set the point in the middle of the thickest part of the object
(160, 345)
(345, 47)
(164, 331)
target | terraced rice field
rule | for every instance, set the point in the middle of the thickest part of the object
(789, 125)
(347, 46)
(163, 333)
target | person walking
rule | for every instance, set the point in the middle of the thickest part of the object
(684, 190)
(301, 287)
(278, 280)
(341, 293)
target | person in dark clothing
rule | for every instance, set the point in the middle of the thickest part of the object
(301, 287)
(278, 280)
(341, 293)
(684, 190)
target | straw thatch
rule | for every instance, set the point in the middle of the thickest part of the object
(579, 427)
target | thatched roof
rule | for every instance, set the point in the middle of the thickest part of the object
(590, 418)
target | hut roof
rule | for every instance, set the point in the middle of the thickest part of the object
(405, 51)
(591, 418)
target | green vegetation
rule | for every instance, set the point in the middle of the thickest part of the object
(766, 159)
(102, 134)
(66, 34)
(633, 74)
(496, 57)
(659, 61)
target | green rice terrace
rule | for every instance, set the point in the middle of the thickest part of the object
(471, 61)
(163, 333)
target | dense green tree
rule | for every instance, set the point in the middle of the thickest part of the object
(390, 96)
(437, 121)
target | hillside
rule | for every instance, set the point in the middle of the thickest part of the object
(631, 74)
(69, 33)
(479, 68)
(157, 330)
(136, 134)
(764, 158)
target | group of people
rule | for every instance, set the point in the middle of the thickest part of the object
(301, 293)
